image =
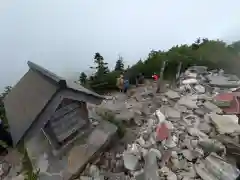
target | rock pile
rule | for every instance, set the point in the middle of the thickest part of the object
(187, 137)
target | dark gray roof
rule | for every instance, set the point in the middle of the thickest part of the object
(30, 96)
(61, 81)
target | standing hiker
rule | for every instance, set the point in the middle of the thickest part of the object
(120, 83)
(125, 85)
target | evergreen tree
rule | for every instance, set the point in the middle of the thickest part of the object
(83, 78)
(119, 64)
(101, 66)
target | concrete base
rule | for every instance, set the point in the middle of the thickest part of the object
(73, 162)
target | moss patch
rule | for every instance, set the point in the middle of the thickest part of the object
(27, 167)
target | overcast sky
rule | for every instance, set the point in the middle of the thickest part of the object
(63, 35)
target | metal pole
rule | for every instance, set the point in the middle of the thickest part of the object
(161, 77)
(179, 70)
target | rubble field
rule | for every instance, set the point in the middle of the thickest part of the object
(189, 132)
(185, 133)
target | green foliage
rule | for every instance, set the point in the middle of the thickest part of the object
(31, 175)
(119, 64)
(204, 52)
(7, 89)
(83, 78)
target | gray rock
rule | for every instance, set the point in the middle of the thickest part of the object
(212, 107)
(210, 145)
(19, 177)
(126, 115)
(85, 178)
(166, 172)
(224, 124)
(171, 113)
(172, 94)
(139, 175)
(151, 167)
(199, 112)
(114, 176)
(187, 154)
(188, 102)
(4, 169)
(205, 127)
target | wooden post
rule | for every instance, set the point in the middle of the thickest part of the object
(161, 77)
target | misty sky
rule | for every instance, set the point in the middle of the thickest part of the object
(63, 35)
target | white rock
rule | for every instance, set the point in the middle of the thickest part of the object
(157, 152)
(160, 116)
(199, 88)
(131, 162)
(168, 173)
(187, 154)
(94, 171)
(190, 81)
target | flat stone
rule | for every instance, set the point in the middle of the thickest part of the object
(172, 94)
(212, 107)
(197, 133)
(224, 124)
(188, 102)
(171, 113)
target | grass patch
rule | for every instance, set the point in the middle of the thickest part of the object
(27, 168)
(111, 118)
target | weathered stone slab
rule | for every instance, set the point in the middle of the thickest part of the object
(188, 102)
(224, 124)
(172, 94)
(212, 107)
(171, 113)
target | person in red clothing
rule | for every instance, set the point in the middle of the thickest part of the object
(155, 77)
